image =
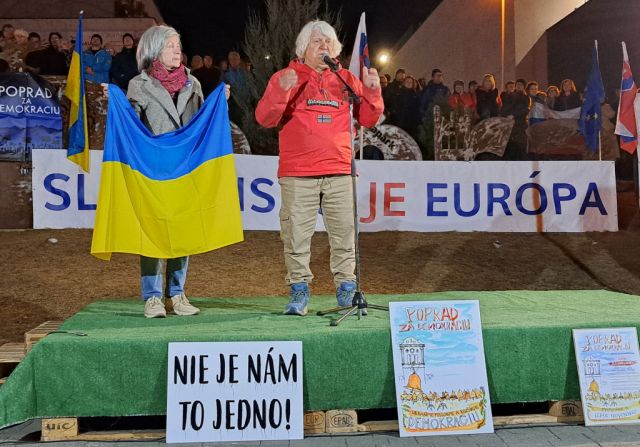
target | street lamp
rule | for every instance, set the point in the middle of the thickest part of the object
(502, 38)
(383, 58)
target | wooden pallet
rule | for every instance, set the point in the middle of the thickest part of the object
(315, 422)
(35, 335)
(10, 355)
(68, 429)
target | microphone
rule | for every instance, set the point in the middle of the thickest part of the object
(329, 62)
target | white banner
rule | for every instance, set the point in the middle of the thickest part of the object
(499, 196)
(234, 391)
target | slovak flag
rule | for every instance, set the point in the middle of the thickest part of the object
(626, 126)
(360, 55)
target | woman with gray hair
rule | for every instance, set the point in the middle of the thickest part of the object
(165, 96)
(308, 102)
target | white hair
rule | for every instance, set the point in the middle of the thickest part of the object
(303, 39)
(152, 43)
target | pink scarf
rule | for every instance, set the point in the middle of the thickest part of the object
(173, 80)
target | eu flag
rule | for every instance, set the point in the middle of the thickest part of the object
(590, 114)
(78, 150)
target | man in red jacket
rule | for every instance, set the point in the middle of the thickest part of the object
(309, 104)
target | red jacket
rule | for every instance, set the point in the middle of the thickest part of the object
(314, 119)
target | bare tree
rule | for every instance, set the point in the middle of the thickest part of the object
(269, 44)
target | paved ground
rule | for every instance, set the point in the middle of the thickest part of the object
(520, 436)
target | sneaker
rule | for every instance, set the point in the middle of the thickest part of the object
(299, 299)
(345, 293)
(182, 306)
(153, 308)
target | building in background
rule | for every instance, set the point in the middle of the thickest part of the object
(545, 40)
(109, 18)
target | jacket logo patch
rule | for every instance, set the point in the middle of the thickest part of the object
(323, 102)
(324, 119)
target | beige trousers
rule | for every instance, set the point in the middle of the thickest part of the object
(301, 199)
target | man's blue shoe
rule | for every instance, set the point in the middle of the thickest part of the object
(345, 293)
(299, 299)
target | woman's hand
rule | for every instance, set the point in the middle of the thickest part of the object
(227, 91)
(105, 89)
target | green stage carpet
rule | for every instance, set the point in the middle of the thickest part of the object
(119, 367)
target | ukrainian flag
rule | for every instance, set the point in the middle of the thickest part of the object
(167, 195)
(78, 151)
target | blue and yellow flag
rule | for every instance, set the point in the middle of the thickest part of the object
(167, 195)
(78, 151)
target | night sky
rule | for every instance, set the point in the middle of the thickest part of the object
(215, 27)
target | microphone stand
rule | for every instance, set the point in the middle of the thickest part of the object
(359, 303)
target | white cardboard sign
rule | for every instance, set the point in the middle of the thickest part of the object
(234, 391)
(440, 371)
(609, 372)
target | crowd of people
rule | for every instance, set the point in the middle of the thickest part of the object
(24, 51)
(409, 100)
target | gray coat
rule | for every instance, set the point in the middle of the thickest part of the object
(156, 108)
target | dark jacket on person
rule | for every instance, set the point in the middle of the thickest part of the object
(487, 103)
(209, 79)
(433, 93)
(516, 104)
(407, 115)
(390, 96)
(566, 102)
(48, 61)
(124, 67)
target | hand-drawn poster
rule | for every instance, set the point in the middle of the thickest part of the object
(609, 372)
(441, 377)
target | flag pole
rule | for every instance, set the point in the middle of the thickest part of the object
(599, 130)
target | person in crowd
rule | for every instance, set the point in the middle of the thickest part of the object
(165, 96)
(455, 100)
(398, 80)
(392, 93)
(388, 76)
(66, 48)
(434, 92)
(568, 97)
(49, 61)
(517, 104)
(487, 98)
(469, 97)
(384, 83)
(407, 116)
(552, 93)
(7, 37)
(184, 59)
(306, 101)
(223, 66)
(538, 104)
(16, 49)
(124, 65)
(97, 61)
(208, 75)
(236, 75)
(34, 41)
(21, 36)
(508, 99)
(523, 104)
(196, 63)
